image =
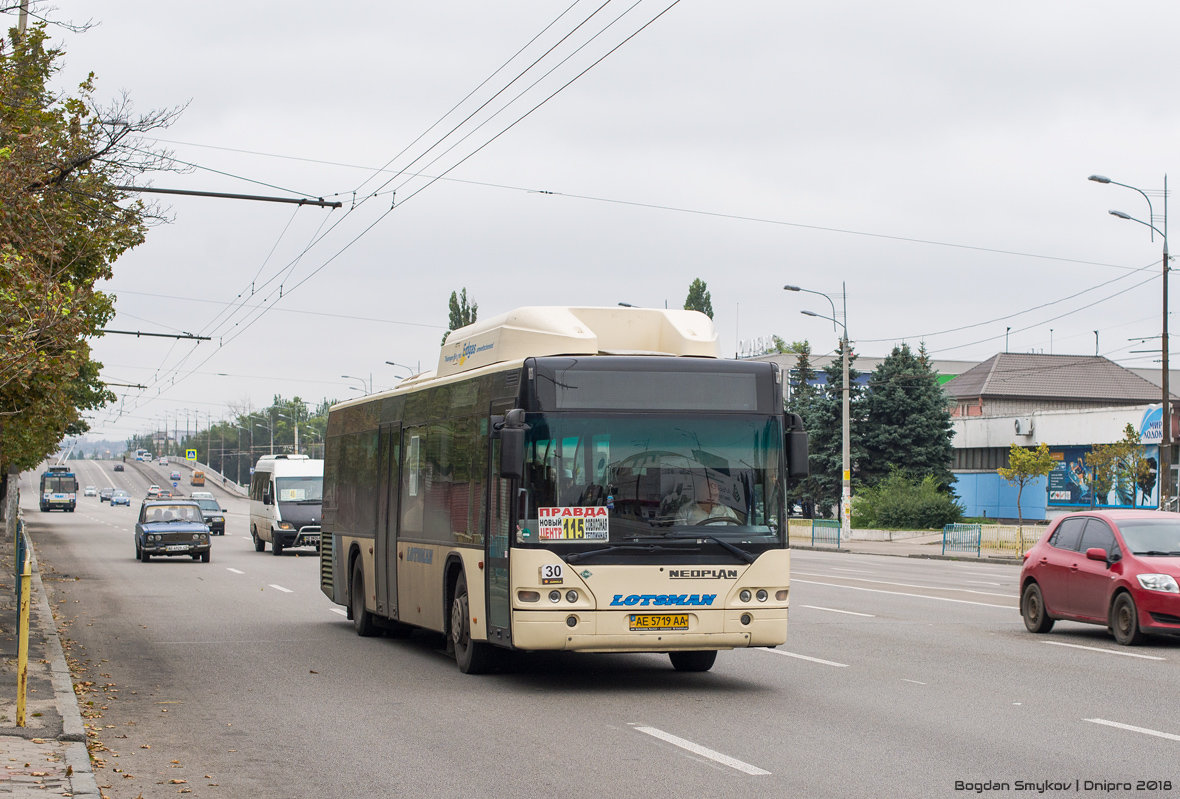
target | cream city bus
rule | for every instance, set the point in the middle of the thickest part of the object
(583, 479)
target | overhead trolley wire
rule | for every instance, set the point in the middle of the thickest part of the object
(485, 81)
(487, 102)
(1047, 321)
(1011, 315)
(383, 215)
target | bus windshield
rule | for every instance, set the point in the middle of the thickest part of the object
(57, 484)
(645, 477)
(300, 489)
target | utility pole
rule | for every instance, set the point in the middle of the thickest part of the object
(1165, 465)
(24, 17)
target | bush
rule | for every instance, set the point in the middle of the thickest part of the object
(902, 503)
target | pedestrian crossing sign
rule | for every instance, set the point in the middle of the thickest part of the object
(190, 455)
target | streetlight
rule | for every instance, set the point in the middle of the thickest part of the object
(413, 371)
(271, 428)
(238, 457)
(846, 456)
(367, 387)
(1165, 464)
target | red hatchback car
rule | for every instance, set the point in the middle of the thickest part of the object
(1117, 568)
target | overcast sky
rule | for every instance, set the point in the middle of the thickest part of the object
(932, 155)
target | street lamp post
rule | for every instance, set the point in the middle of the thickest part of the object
(1165, 459)
(239, 453)
(270, 426)
(846, 454)
(367, 387)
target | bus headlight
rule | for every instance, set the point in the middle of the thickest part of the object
(571, 596)
(555, 595)
(744, 595)
(762, 595)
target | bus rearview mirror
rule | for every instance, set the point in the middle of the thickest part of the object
(798, 466)
(512, 453)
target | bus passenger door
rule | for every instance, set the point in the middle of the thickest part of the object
(385, 552)
(497, 543)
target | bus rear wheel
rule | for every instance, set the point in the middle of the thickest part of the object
(362, 620)
(259, 544)
(472, 657)
(692, 661)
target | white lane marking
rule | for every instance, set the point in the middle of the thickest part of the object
(834, 610)
(903, 585)
(340, 611)
(915, 682)
(902, 593)
(248, 538)
(805, 657)
(280, 588)
(1143, 730)
(1100, 649)
(697, 749)
(235, 571)
(858, 571)
(981, 582)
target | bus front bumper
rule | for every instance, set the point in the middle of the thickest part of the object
(607, 631)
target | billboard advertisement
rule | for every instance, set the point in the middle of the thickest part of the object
(1070, 485)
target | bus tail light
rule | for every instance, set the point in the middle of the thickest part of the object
(528, 596)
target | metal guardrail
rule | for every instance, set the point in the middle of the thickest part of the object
(994, 539)
(825, 531)
(817, 531)
(965, 538)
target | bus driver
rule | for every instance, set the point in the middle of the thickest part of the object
(708, 506)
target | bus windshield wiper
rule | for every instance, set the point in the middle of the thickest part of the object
(736, 551)
(576, 556)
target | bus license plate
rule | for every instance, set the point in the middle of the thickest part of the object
(652, 621)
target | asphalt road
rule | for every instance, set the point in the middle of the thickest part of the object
(900, 677)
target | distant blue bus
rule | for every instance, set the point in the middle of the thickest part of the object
(59, 489)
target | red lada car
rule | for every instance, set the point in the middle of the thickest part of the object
(1118, 568)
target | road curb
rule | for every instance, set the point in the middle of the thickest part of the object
(63, 685)
(82, 779)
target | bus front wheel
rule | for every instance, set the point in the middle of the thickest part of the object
(692, 661)
(473, 657)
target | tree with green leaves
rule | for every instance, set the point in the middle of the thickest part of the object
(461, 314)
(907, 423)
(779, 346)
(822, 410)
(63, 222)
(699, 298)
(1025, 466)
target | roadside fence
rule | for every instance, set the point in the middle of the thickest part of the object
(818, 532)
(1008, 540)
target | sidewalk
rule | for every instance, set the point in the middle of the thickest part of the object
(923, 546)
(47, 757)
